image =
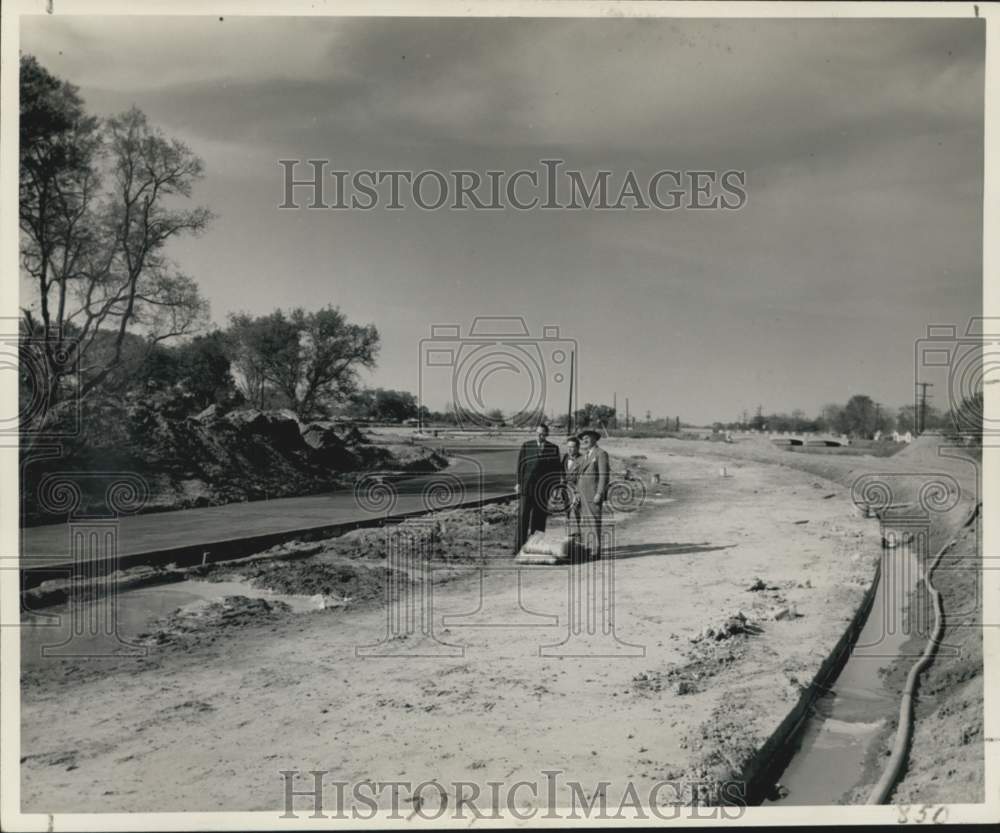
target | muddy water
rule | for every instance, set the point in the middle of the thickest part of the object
(828, 758)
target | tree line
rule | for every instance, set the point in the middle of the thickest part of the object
(861, 417)
(100, 200)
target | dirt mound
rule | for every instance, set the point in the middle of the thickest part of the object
(459, 535)
(204, 619)
(215, 457)
(934, 452)
(353, 566)
(329, 578)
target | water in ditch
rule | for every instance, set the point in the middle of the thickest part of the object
(827, 759)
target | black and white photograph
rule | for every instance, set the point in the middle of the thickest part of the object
(537, 414)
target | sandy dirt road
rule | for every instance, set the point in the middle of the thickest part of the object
(293, 694)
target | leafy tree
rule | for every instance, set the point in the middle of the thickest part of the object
(311, 359)
(260, 348)
(860, 418)
(591, 414)
(906, 419)
(203, 368)
(383, 404)
(495, 415)
(832, 419)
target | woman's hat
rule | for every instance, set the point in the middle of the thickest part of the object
(589, 432)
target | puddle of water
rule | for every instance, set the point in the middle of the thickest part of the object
(829, 757)
(132, 613)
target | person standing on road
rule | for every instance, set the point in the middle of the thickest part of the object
(592, 486)
(538, 473)
(571, 474)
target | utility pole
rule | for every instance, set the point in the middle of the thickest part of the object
(614, 407)
(626, 413)
(922, 413)
(569, 406)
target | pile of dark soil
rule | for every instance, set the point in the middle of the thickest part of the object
(213, 458)
(353, 566)
(207, 619)
(323, 575)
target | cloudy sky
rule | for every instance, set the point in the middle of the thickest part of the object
(861, 141)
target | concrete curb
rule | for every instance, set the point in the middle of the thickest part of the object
(772, 757)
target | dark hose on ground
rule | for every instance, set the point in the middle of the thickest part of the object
(904, 731)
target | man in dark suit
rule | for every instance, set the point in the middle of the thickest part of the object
(538, 473)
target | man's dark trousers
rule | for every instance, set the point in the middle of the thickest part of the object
(538, 473)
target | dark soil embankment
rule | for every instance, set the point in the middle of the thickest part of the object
(353, 566)
(211, 459)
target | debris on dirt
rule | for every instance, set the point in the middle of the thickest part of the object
(353, 566)
(778, 791)
(799, 523)
(205, 616)
(329, 580)
(725, 745)
(758, 584)
(736, 624)
(649, 681)
(222, 571)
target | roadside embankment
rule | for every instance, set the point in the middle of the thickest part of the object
(212, 459)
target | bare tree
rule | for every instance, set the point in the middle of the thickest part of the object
(97, 210)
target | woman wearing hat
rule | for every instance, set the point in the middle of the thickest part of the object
(571, 471)
(592, 486)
